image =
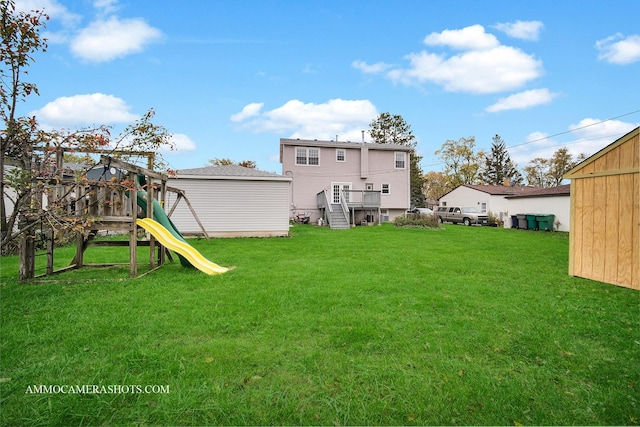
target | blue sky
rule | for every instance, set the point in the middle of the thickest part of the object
(230, 78)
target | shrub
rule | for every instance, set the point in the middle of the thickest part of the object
(494, 220)
(417, 220)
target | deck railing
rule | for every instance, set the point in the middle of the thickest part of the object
(353, 199)
(362, 198)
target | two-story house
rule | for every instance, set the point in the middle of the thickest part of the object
(346, 183)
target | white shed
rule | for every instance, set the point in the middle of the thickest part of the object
(231, 201)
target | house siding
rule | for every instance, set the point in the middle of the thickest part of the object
(507, 201)
(559, 206)
(465, 196)
(232, 208)
(364, 164)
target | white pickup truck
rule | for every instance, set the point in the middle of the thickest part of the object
(461, 215)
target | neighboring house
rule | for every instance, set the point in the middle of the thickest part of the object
(549, 201)
(230, 201)
(346, 183)
(604, 241)
(485, 198)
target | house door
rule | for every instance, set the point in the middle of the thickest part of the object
(337, 187)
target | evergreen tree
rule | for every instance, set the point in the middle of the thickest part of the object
(498, 167)
(393, 129)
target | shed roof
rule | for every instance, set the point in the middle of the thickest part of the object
(498, 190)
(575, 172)
(229, 172)
(560, 190)
(501, 190)
(343, 144)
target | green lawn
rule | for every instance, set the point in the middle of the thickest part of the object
(368, 326)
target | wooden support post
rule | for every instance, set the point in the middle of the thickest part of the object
(133, 234)
(162, 197)
(133, 250)
(150, 203)
(27, 249)
(50, 245)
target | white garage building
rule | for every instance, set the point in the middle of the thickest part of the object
(230, 201)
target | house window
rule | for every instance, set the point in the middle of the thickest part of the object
(385, 189)
(307, 156)
(483, 207)
(400, 160)
(341, 188)
(341, 155)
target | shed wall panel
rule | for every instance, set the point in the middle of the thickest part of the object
(229, 207)
(587, 228)
(600, 213)
(635, 256)
(612, 226)
(576, 236)
(605, 221)
(625, 243)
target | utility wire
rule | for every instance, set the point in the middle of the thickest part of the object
(558, 134)
(573, 130)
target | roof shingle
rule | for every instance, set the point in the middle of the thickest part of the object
(226, 171)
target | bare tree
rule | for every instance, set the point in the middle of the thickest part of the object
(223, 162)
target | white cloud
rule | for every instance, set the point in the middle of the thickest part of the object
(52, 8)
(618, 49)
(588, 136)
(378, 67)
(345, 118)
(105, 40)
(483, 65)
(498, 69)
(106, 6)
(249, 110)
(523, 100)
(82, 110)
(525, 30)
(468, 38)
(590, 128)
(182, 142)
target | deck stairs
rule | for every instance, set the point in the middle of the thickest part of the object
(337, 219)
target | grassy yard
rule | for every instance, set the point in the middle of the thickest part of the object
(368, 326)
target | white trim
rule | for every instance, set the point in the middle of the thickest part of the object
(307, 157)
(234, 178)
(388, 189)
(396, 160)
(344, 155)
(342, 186)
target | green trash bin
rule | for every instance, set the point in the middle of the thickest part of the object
(532, 223)
(545, 222)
